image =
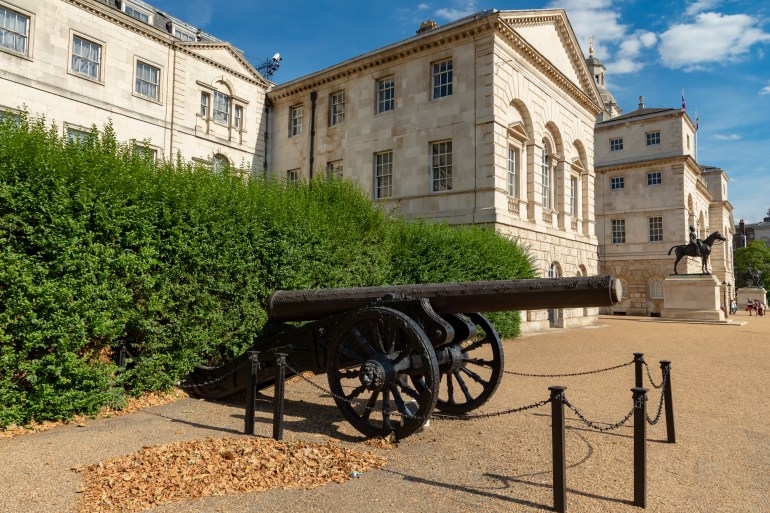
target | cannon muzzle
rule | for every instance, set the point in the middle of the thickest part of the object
(451, 298)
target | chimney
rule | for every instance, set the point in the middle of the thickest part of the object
(427, 26)
(741, 227)
(641, 102)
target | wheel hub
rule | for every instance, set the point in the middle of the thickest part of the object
(373, 375)
(455, 355)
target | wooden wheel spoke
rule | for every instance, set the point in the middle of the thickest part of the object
(400, 404)
(352, 354)
(463, 386)
(355, 392)
(411, 392)
(479, 361)
(349, 374)
(361, 342)
(477, 344)
(450, 388)
(475, 377)
(375, 332)
(370, 404)
(386, 410)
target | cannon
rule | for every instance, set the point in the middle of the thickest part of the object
(394, 354)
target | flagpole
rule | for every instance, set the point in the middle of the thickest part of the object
(696, 135)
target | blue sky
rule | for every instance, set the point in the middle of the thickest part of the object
(716, 50)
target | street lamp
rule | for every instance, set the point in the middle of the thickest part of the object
(725, 299)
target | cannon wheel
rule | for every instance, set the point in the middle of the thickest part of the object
(381, 359)
(475, 371)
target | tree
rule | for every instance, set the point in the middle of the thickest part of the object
(755, 256)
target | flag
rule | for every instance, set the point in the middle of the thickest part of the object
(684, 107)
(696, 120)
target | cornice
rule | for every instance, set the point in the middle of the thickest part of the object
(637, 164)
(389, 56)
(152, 33)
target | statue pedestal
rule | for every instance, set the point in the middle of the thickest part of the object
(692, 297)
(743, 294)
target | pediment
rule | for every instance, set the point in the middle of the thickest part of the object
(518, 131)
(225, 55)
(549, 33)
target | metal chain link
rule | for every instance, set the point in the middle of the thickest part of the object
(443, 416)
(569, 375)
(649, 375)
(660, 404)
(610, 427)
(214, 381)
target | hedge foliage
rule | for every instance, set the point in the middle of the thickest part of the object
(102, 246)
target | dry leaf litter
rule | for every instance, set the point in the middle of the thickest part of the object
(216, 466)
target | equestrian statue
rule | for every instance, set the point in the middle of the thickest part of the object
(697, 248)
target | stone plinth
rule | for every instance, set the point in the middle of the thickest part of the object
(743, 294)
(692, 297)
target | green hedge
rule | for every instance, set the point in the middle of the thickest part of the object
(101, 246)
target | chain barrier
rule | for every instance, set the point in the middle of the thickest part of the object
(443, 416)
(214, 381)
(594, 425)
(569, 375)
(649, 375)
(660, 404)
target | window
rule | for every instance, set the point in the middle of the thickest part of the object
(553, 271)
(86, 57)
(617, 182)
(545, 186)
(654, 178)
(618, 231)
(221, 108)
(336, 108)
(136, 12)
(513, 173)
(184, 36)
(652, 138)
(656, 289)
(573, 184)
(656, 229)
(14, 31)
(442, 79)
(238, 117)
(219, 163)
(295, 120)
(147, 80)
(623, 289)
(616, 144)
(441, 166)
(334, 169)
(292, 176)
(145, 152)
(205, 99)
(383, 175)
(9, 116)
(78, 136)
(386, 94)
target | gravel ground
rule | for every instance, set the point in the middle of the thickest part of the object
(720, 462)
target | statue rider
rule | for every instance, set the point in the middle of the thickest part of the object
(695, 240)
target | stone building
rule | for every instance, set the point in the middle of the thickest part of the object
(164, 85)
(747, 232)
(649, 191)
(488, 120)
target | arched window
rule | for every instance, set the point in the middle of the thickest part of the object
(624, 289)
(545, 187)
(656, 289)
(219, 163)
(554, 271)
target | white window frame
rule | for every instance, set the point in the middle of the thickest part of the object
(184, 35)
(205, 104)
(334, 168)
(618, 231)
(76, 133)
(383, 174)
(652, 138)
(654, 178)
(623, 289)
(545, 178)
(617, 183)
(293, 176)
(140, 148)
(9, 30)
(144, 81)
(616, 144)
(86, 59)
(441, 79)
(295, 120)
(441, 165)
(137, 12)
(655, 228)
(386, 94)
(336, 108)
(656, 289)
(572, 196)
(238, 117)
(513, 172)
(221, 105)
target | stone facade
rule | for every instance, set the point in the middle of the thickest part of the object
(649, 191)
(508, 144)
(80, 63)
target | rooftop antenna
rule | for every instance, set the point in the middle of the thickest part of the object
(270, 66)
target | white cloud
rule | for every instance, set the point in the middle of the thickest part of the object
(700, 6)
(765, 90)
(461, 9)
(713, 37)
(423, 7)
(727, 137)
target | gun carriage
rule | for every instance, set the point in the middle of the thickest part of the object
(393, 354)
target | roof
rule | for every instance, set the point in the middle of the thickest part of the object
(638, 113)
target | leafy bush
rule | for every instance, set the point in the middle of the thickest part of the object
(102, 248)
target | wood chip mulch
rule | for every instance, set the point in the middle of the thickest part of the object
(215, 466)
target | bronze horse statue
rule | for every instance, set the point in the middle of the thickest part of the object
(691, 250)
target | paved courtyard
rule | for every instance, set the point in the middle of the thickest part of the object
(720, 463)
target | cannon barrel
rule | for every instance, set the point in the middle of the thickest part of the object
(451, 298)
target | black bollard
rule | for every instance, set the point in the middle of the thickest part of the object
(638, 362)
(280, 362)
(640, 446)
(251, 394)
(559, 449)
(668, 401)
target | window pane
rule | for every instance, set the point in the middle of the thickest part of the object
(386, 94)
(442, 79)
(383, 175)
(513, 163)
(618, 231)
(14, 30)
(147, 80)
(221, 107)
(545, 186)
(336, 108)
(295, 121)
(441, 166)
(86, 57)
